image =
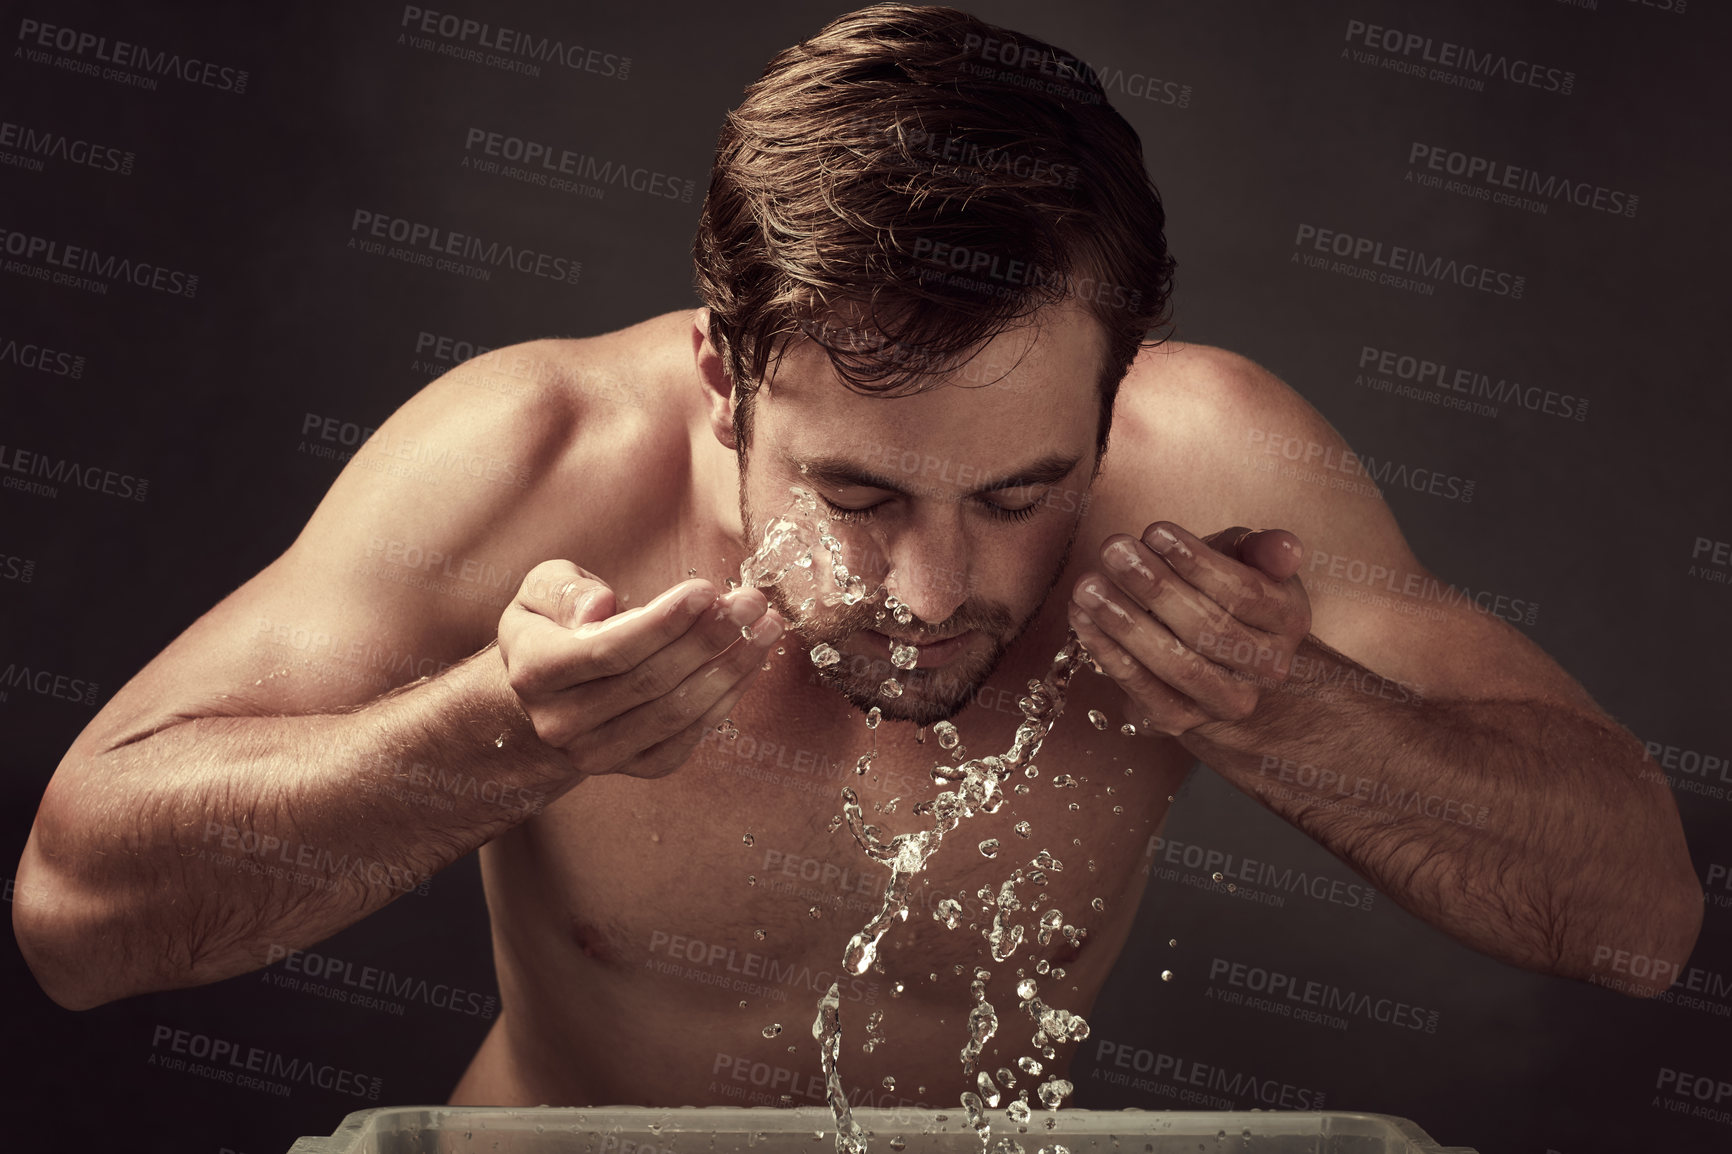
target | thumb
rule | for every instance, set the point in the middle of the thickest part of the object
(1277, 553)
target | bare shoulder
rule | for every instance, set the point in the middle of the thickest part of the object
(1210, 439)
(530, 452)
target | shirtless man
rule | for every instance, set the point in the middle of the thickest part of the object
(261, 784)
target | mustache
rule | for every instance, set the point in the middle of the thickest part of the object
(988, 617)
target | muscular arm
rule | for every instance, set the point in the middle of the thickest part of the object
(343, 725)
(1449, 760)
(184, 856)
(1526, 829)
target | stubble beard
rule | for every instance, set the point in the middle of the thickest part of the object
(928, 695)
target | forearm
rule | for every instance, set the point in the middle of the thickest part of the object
(1523, 829)
(183, 857)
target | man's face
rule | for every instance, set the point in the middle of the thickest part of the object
(961, 502)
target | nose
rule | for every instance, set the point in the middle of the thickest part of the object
(929, 566)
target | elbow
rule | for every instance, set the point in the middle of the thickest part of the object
(59, 938)
(1647, 962)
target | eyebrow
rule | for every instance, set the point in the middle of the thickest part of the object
(842, 473)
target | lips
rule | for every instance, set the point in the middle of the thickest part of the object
(932, 653)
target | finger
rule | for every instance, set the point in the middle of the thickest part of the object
(661, 760)
(1248, 594)
(1156, 655)
(559, 659)
(653, 722)
(1162, 708)
(1195, 619)
(564, 593)
(663, 670)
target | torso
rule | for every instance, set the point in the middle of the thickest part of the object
(626, 916)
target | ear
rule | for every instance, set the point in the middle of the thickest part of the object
(713, 379)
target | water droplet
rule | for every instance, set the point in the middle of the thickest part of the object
(1017, 1112)
(872, 716)
(1097, 719)
(1026, 989)
(1128, 729)
(904, 656)
(1046, 861)
(1118, 809)
(760, 934)
(948, 738)
(1074, 806)
(1172, 941)
(1022, 829)
(949, 912)
(989, 847)
(815, 913)
(865, 762)
(1055, 1148)
(920, 736)
(1099, 906)
(891, 688)
(824, 655)
(1057, 972)
(746, 839)
(835, 824)
(1166, 975)
(1042, 967)
(772, 1029)
(1218, 876)
(896, 990)
(1053, 1092)
(727, 729)
(988, 1091)
(1031, 771)
(1029, 1066)
(903, 615)
(499, 742)
(899, 1143)
(1006, 1078)
(751, 879)
(889, 1082)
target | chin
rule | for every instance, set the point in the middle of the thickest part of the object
(929, 695)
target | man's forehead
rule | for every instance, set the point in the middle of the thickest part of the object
(1059, 342)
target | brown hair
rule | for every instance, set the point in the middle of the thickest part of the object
(912, 181)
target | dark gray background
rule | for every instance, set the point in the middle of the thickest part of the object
(1595, 521)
